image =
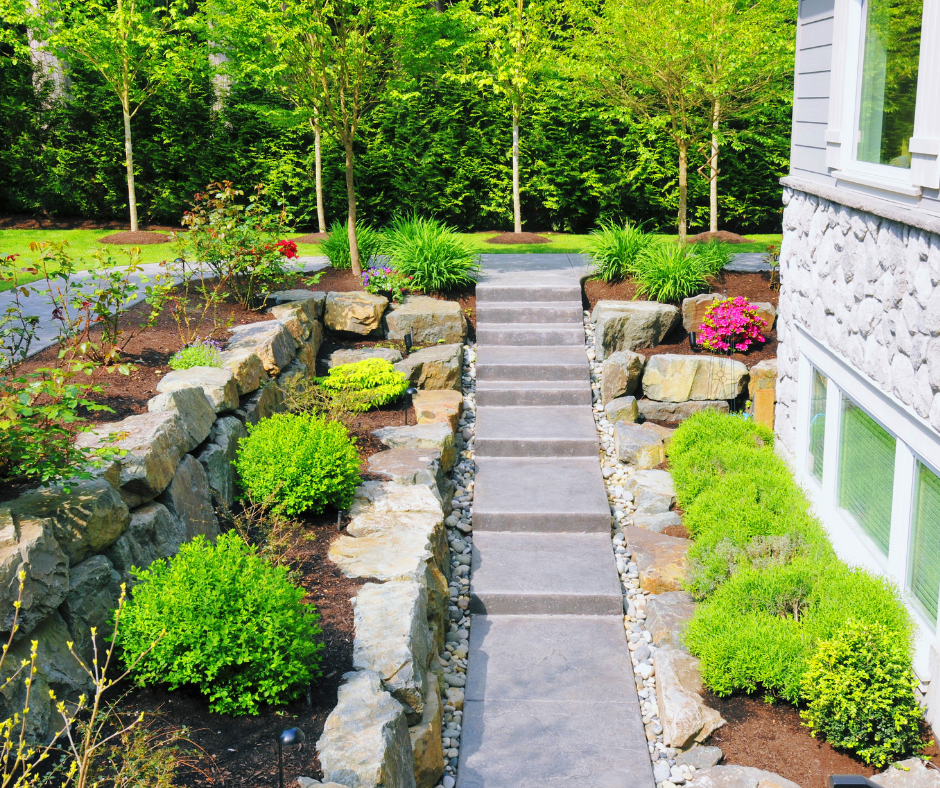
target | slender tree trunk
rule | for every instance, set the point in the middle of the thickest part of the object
(129, 158)
(683, 188)
(318, 168)
(713, 174)
(516, 203)
(351, 215)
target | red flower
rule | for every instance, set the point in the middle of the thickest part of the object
(288, 249)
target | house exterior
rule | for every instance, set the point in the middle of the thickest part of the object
(858, 388)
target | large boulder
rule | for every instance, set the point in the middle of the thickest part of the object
(352, 355)
(667, 616)
(766, 312)
(365, 741)
(741, 777)
(313, 300)
(27, 545)
(195, 412)
(674, 378)
(438, 406)
(153, 533)
(653, 491)
(392, 639)
(425, 437)
(298, 317)
(660, 559)
(153, 444)
(762, 390)
(438, 367)
(217, 383)
(429, 320)
(218, 456)
(620, 374)
(694, 309)
(382, 497)
(678, 411)
(307, 352)
(621, 409)
(354, 313)
(94, 593)
(189, 501)
(409, 466)
(909, 773)
(639, 444)
(85, 518)
(246, 367)
(270, 340)
(426, 743)
(262, 404)
(685, 718)
(630, 325)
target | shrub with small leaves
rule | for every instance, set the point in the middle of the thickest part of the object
(860, 692)
(732, 324)
(299, 462)
(222, 619)
(369, 383)
(203, 353)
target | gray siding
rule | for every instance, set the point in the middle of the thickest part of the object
(811, 97)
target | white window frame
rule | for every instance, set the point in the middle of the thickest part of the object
(842, 129)
(915, 441)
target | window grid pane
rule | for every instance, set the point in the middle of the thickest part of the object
(817, 426)
(866, 472)
(924, 576)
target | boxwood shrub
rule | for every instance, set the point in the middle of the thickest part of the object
(366, 384)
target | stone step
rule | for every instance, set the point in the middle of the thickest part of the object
(533, 392)
(486, 292)
(556, 431)
(543, 574)
(532, 682)
(536, 494)
(514, 334)
(531, 363)
(529, 312)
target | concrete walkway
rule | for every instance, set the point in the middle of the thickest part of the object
(550, 698)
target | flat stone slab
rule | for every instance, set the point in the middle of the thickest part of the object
(536, 494)
(678, 411)
(909, 773)
(667, 616)
(539, 393)
(519, 334)
(740, 777)
(656, 522)
(541, 574)
(531, 363)
(352, 355)
(561, 431)
(660, 559)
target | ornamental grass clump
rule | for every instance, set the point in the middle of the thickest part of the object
(365, 384)
(336, 246)
(669, 272)
(432, 254)
(731, 325)
(202, 353)
(617, 250)
(222, 619)
(299, 462)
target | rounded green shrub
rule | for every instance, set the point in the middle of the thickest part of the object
(222, 619)
(859, 689)
(369, 383)
(711, 428)
(298, 462)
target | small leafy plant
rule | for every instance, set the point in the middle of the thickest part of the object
(669, 272)
(224, 620)
(379, 280)
(617, 251)
(731, 325)
(202, 353)
(368, 384)
(431, 254)
(299, 462)
(336, 246)
(18, 330)
(860, 693)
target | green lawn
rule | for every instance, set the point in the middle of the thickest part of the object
(564, 243)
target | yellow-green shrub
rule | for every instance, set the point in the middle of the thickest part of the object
(367, 384)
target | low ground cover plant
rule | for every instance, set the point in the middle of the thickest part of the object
(617, 250)
(383, 280)
(365, 384)
(336, 246)
(776, 605)
(431, 254)
(202, 353)
(225, 621)
(299, 462)
(732, 325)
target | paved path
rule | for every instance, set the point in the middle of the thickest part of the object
(550, 696)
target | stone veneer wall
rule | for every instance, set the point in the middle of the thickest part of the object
(868, 288)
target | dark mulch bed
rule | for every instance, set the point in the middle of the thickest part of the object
(518, 238)
(244, 749)
(138, 238)
(25, 221)
(311, 238)
(722, 235)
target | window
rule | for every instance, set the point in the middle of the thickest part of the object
(888, 81)
(817, 426)
(924, 569)
(866, 472)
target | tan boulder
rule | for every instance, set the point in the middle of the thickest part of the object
(762, 389)
(630, 325)
(297, 317)
(217, 383)
(247, 368)
(694, 309)
(442, 405)
(620, 374)
(641, 445)
(430, 320)
(438, 367)
(354, 313)
(685, 718)
(660, 559)
(426, 744)
(674, 378)
(270, 340)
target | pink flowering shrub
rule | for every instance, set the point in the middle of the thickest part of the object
(731, 325)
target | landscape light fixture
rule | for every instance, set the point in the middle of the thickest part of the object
(409, 341)
(340, 514)
(694, 343)
(409, 400)
(289, 738)
(850, 780)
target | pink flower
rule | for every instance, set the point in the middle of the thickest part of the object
(731, 324)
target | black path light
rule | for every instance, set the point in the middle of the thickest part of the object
(409, 341)
(409, 399)
(289, 738)
(850, 781)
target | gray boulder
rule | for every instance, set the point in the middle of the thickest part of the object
(424, 437)
(365, 741)
(438, 367)
(393, 639)
(740, 777)
(28, 545)
(217, 383)
(219, 454)
(701, 757)
(270, 340)
(246, 367)
(621, 409)
(307, 352)
(667, 616)
(430, 320)
(354, 312)
(352, 355)
(261, 404)
(189, 501)
(678, 411)
(313, 300)
(653, 491)
(620, 374)
(909, 773)
(629, 325)
(153, 533)
(85, 519)
(685, 718)
(94, 592)
(195, 412)
(657, 523)
(674, 378)
(638, 444)
(409, 466)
